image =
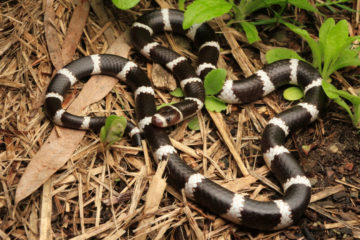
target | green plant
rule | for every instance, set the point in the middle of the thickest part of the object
(203, 10)
(339, 4)
(113, 130)
(177, 93)
(331, 52)
(213, 84)
(293, 93)
(194, 124)
(182, 5)
(125, 4)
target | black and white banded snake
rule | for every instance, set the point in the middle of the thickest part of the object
(235, 207)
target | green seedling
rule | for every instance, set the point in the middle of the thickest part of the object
(125, 4)
(332, 51)
(113, 130)
(200, 11)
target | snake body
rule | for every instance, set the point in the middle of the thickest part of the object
(235, 207)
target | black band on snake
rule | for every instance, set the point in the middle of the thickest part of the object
(232, 206)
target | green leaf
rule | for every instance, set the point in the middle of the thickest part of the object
(182, 5)
(113, 129)
(293, 94)
(303, 4)
(344, 105)
(164, 105)
(102, 134)
(352, 98)
(356, 119)
(341, 58)
(214, 104)
(336, 41)
(203, 10)
(331, 91)
(312, 43)
(194, 124)
(251, 32)
(214, 81)
(323, 32)
(355, 100)
(347, 58)
(125, 4)
(273, 2)
(346, 7)
(277, 54)
(346, 62)
(177, 93)
(251, 6)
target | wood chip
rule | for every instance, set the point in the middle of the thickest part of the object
(326, 192)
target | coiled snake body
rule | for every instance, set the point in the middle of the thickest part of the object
(235, 207)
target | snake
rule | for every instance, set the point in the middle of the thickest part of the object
(235, 207)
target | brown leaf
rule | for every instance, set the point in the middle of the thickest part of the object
(162, 79)
(75, 30)
(52, 41)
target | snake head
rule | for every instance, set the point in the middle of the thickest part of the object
(166, 116)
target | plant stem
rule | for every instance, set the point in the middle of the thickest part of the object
(331, 3)
(239, 12)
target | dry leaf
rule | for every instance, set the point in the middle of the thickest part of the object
(75, 30)
(52, 41)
